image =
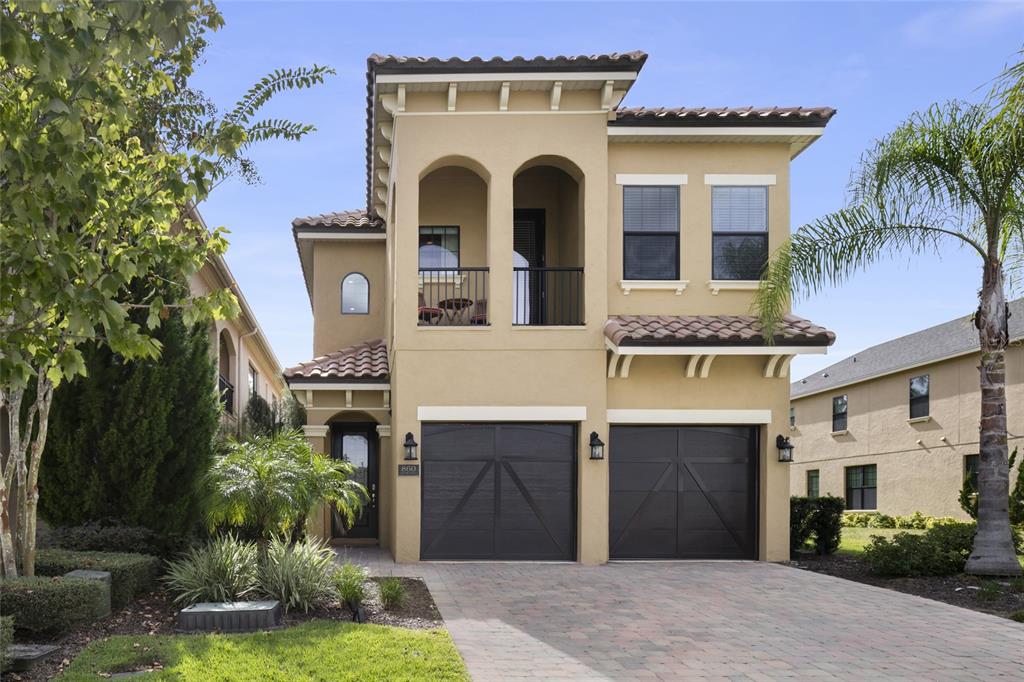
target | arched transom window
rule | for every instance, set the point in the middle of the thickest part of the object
(355, 294)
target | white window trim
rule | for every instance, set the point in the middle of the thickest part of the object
(717, 285)
(677, 285)
(739, 180)
(501, 413)
(689, 416)
(649, 179)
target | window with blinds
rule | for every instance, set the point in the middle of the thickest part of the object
(650, 223)
(739, 227)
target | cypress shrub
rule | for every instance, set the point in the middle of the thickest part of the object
(131, 442)
(818, 519)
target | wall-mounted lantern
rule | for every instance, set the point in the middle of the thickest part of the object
(785, 448)
(596, 446)
(410, 446)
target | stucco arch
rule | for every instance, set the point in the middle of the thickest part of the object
(458, 161)
(560, 162)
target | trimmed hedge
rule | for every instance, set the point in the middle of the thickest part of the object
(6, 637)
(943, 550)
(916, 521)
(818, 519)
(53, 605)
(130, 574)
(117, 537)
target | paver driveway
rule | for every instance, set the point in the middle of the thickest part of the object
(703, 620)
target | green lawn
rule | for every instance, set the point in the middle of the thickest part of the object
(315, 650)
(854, 540)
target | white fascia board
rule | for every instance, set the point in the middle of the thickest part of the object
(501, 413)
(689, 416)
(738, 180)
(506, 77)
(681, 131)
(340, 386)
(650, 179)
(328, 236)
(717, 350)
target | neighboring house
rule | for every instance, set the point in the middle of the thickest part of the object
(894, 428)
(535, 342)
(246, 364)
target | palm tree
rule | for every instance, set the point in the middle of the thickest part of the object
(268, 485)
(952, 174)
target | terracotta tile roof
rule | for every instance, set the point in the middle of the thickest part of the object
(724, 116)
(359, 220)
(362, 362)
(711, 330)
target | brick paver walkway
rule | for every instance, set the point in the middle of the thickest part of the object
(703, 620)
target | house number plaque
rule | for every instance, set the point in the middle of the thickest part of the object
(408, 469)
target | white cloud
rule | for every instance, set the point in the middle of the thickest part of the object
(952, 26)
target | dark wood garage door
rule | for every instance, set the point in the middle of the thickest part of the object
(498, 491)
(683, 492)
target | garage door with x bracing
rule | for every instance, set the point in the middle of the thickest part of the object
(498, 491)
(683, 492)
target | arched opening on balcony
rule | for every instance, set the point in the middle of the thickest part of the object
(452, 247)
(548, 243)
(226, 371)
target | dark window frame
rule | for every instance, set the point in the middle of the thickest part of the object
(341, 303)
(792, 417)
(840, 420)
(764, 234)
(458, 252)
(922, 401)
(971, 464)
(677, 247)
(815, 475)
(254, 380)
(857, 494)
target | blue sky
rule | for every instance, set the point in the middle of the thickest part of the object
(874, 62)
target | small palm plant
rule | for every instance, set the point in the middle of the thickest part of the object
(952, 174)
(268, 486)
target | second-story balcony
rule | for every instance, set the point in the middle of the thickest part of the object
(547, 296)
(453, 297)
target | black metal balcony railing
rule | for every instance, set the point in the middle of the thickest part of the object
(547, 296)
(227, 394)
(453, 297)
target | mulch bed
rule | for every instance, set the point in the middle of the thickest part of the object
(959, 590)
(155, 614)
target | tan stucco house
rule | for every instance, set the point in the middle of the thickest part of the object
(894, 428)
(535, 342)
(246, 363)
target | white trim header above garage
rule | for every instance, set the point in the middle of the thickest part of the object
(501, 413)
(689, 416)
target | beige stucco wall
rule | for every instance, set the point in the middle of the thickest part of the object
(332, 261)
(472, 170)
(912, 476)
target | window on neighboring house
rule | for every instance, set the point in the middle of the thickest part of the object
(739, 232)
(650, 232)
(971, 470)
(919, 396)
(839, 406)
(862, 487)
(355, 294)
(792, 416)
(439, 246)
(254, 380)
(812, 483)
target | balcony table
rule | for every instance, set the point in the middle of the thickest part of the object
(453, 307)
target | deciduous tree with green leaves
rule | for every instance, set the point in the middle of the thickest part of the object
(104, 152)
(951, 175)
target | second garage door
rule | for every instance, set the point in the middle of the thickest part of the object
(498, 491)
(686, 492)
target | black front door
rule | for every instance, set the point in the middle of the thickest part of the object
(528, 244)
(357, 445)
(683, 492)
(498, 491)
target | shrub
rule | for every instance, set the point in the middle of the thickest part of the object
(857, 519)
(392, 592)
(1017, 616)
(112, 536)
(130, 574)
(6, 637)
(50, 605)
(222, 570)
(818, 519)
(989, 591)
(933, 521)
(943, 550)
(916, 521)
(881, 521)
(301, 575)
(351, 583)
